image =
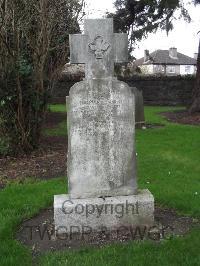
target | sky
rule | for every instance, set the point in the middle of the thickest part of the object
(184, 35)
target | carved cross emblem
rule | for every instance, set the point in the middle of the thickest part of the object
(99, 47)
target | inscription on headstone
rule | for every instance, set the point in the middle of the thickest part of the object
(101, 155)
(101, 133)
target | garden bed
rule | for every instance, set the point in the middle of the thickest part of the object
(48, 161)
(39, 235)
(183, 117)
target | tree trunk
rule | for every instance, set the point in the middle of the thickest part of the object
(195, 106)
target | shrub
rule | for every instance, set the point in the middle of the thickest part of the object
(34, 46)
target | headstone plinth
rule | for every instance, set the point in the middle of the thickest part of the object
(101, 136)
(110, 212)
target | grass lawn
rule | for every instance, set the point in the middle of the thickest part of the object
(61, 129)
(168, 164)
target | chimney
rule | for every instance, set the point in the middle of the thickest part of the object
(173, 53)
(146, 55)
(195, 55)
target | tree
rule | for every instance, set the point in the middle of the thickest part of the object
(138, 18)
(34, 46)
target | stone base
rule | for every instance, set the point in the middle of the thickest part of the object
(96, 214)
(140, 124)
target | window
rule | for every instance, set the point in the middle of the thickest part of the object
(187, 69)
(171, 69)
(159, 69)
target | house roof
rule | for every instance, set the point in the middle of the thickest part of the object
(162, 57)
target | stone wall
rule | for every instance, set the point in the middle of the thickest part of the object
(174, 90)
(161, 90)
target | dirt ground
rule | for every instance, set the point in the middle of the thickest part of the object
(183, 117)
(39, 235)
(47, 162)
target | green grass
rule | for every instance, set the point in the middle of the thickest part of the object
(57, 108)
(19, 202)
(170, 253)
(61, 128)
(168, 164)
(168, 158)
(151, 113)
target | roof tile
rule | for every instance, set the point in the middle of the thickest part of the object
(162, 57)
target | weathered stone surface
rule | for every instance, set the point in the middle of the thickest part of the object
(101, 125)
(139, 107)
(99, 48)
(101, 149)
(101, 134)
(97, 213)
(77, 42)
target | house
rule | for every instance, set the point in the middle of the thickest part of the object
(167, 62)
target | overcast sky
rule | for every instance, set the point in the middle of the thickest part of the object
(184, 36)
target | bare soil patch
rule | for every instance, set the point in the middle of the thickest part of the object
(183, 117)
(48, 161)
(38, 232)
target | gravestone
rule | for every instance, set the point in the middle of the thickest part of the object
(101, 133)
(139, 107)
(67, 100)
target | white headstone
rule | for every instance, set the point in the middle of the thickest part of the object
(101, 154)
(101, 138)
(139, 107)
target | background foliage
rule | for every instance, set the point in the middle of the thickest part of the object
(34, 47)
(139, 18)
